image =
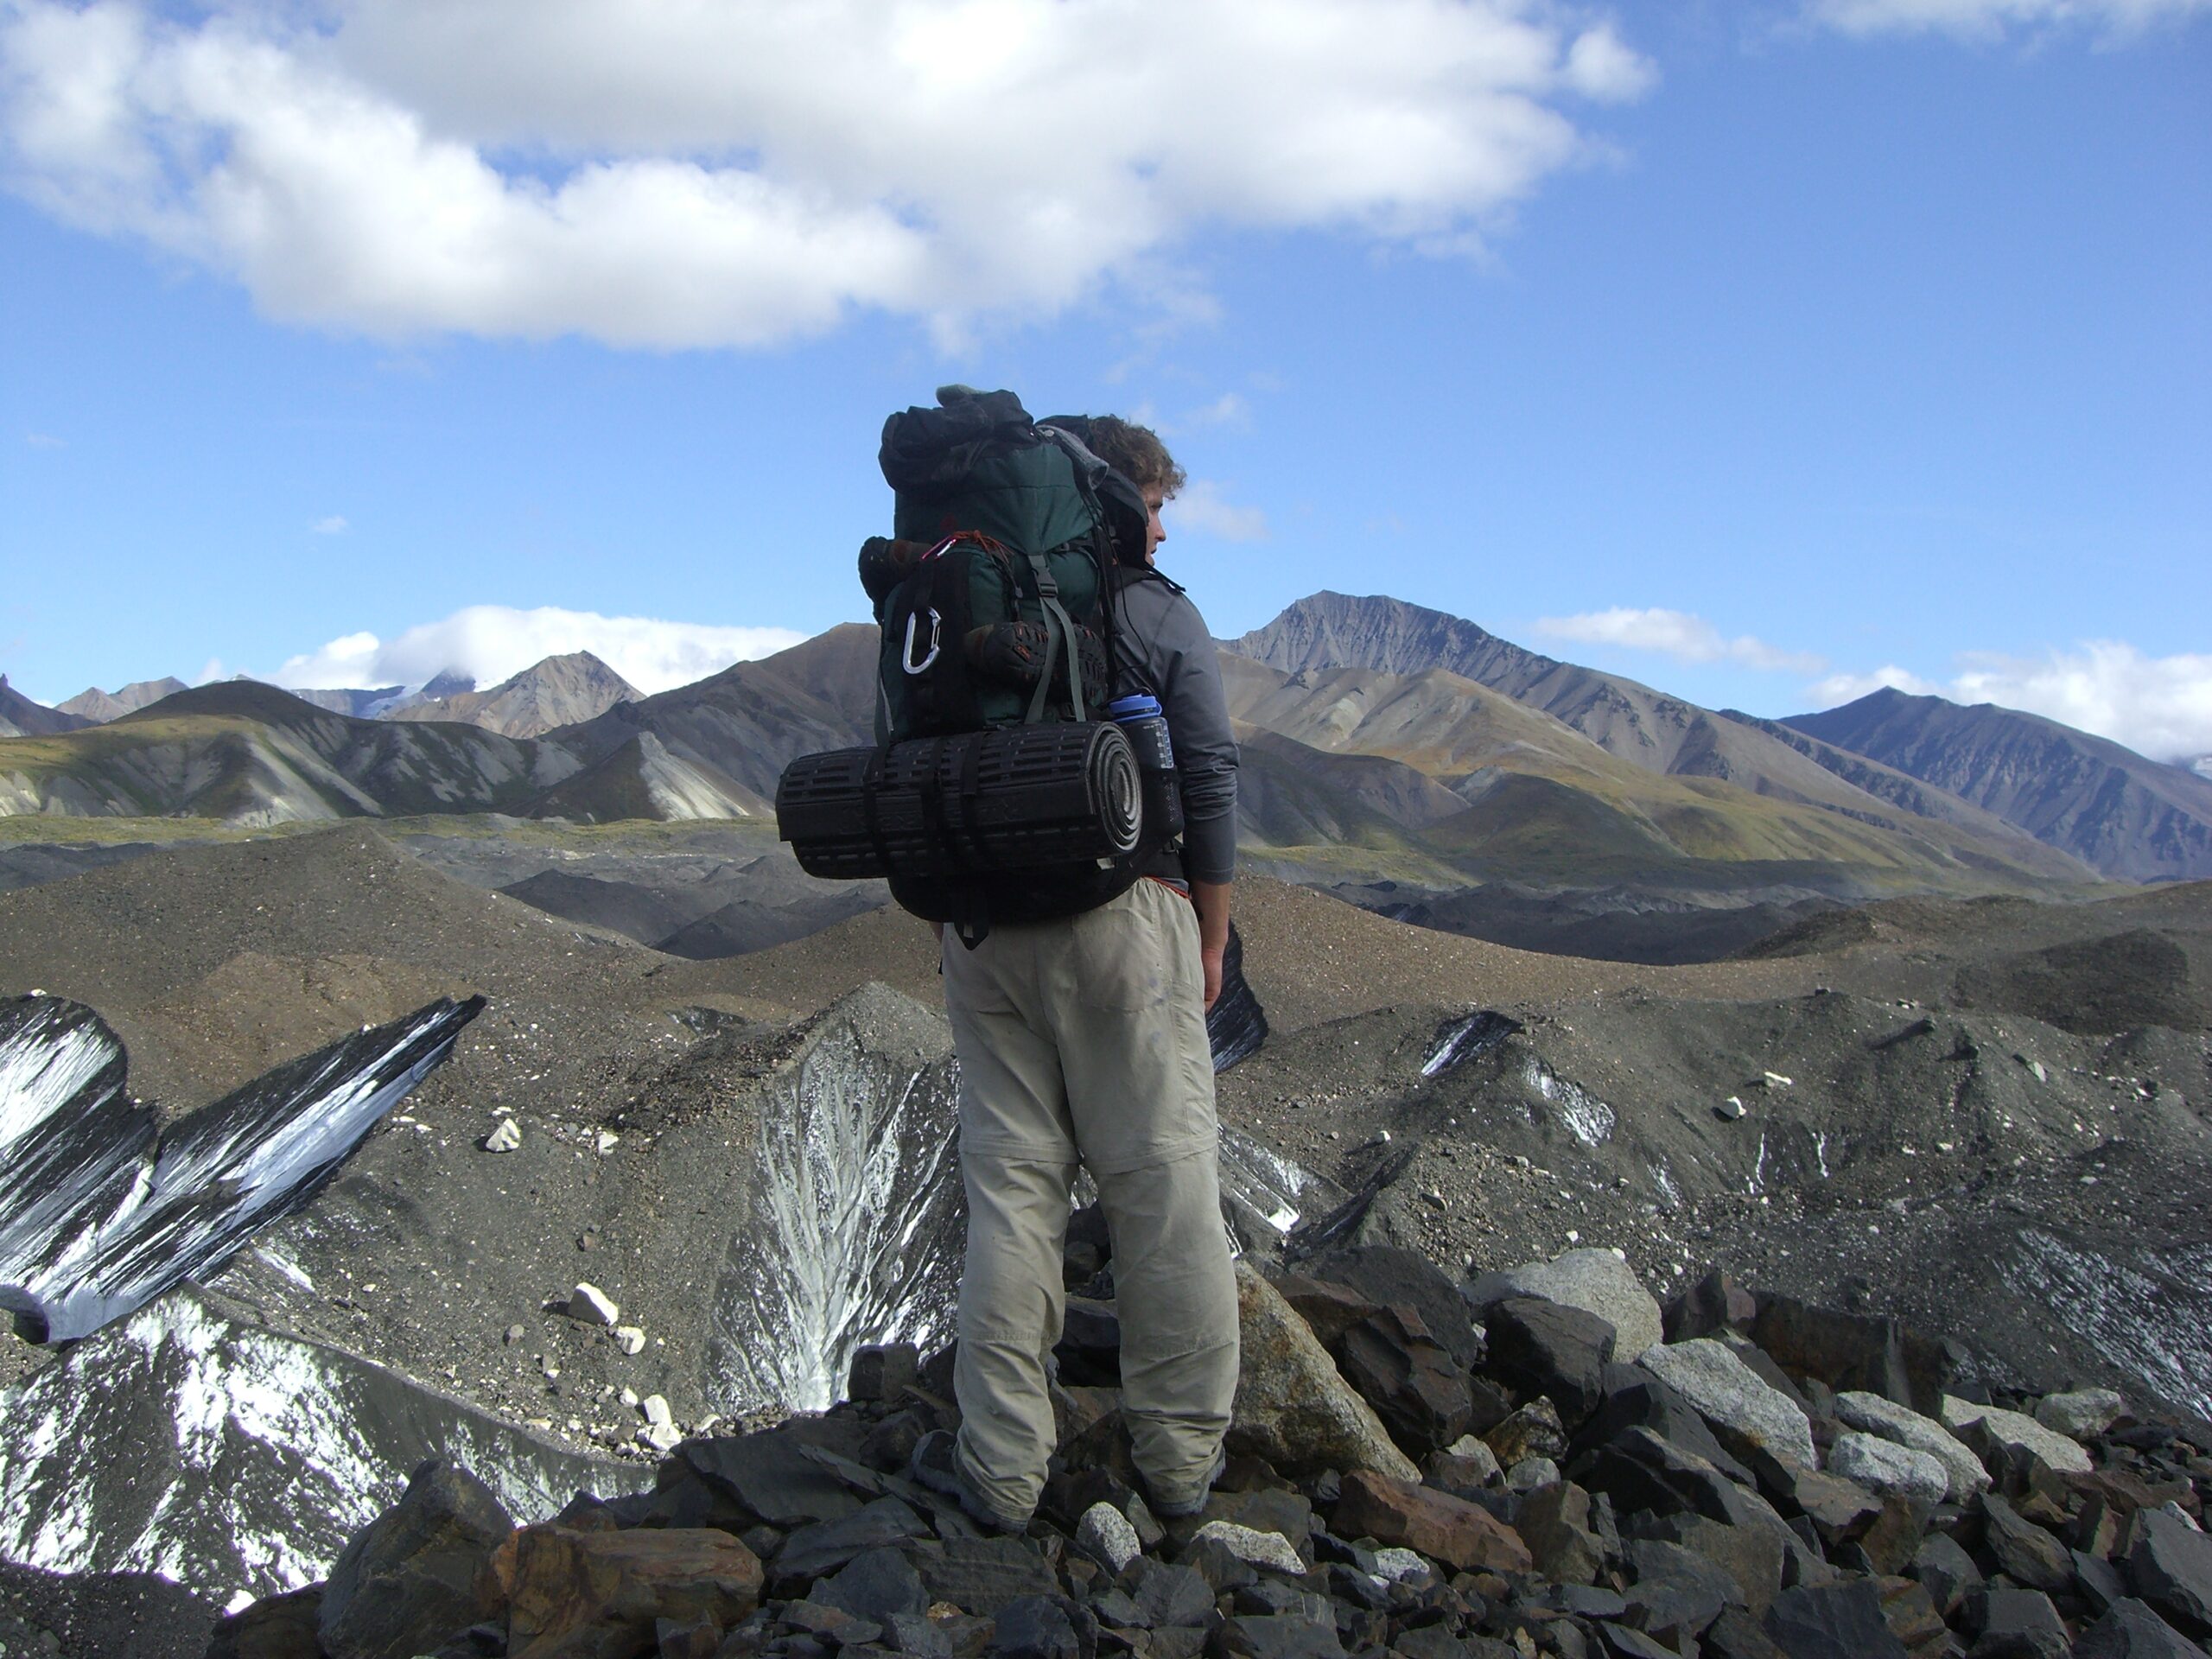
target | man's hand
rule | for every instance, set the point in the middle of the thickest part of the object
(1210, 899)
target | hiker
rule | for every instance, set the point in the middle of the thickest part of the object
(1085, 1039)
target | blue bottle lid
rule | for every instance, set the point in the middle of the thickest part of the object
(1138, 705)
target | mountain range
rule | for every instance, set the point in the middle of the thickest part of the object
(1401, 756)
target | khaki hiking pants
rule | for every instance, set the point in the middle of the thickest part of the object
(1085, 1041)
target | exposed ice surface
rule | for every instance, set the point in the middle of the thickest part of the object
(232, 1459)
(859, 1226)
(1588, 1119)
(2152, 1317)
(99, 1213)
(1465, 1039)
(1260, 1185)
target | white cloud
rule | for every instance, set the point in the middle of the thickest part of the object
(334, 525)
(674, 174)
(1679, 634)
(1230, 410)
(492, 642)
(1206, 510)
(2157, 706)
(45, 440)
(1987, 19)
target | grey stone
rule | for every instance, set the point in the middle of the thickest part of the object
(1396, 1564)
(1742, 1407)
(2012, 1428)
(1167, 1595)
(2023, 1550)
(1946, 1571)
(1279, 1637)
(827, 1545)
(1597, 1281)
(1836, 1621)
(983, 1575)
(412, 1576)
(589, 1304)
(1555, 1524)
(1293, 1407)
(1034, 1627)
(2130, 1629)
(1550, 1349)
(1252, 1547)
(875, 1584)
(2019, 1624)
(2080, 1414)
(505, 1136)
(1531, 1475)
(1884, 1467)
(1104, 1533)
(1479, 1454)
(1677, 1591)
(1871, 1413)
(2169, 1564)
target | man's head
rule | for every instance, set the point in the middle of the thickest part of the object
(1136, 452)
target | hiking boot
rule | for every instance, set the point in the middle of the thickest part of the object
(1172, 1509)
(936, 1464)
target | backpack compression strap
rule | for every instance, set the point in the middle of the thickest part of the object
(1056, 614)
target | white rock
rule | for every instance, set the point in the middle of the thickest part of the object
(629, 1396)
(592, 1305)
(1104, 1533)
(657, 1411)
(2080, 1414)
(1884, 1467)
(606, 1140)
(1480, 1454)
(1532, 1475)
(1397, 1563)
(2014, 1428)
(1730, 1395)
(1596, 1280)
(629, 1339)
(1775, 1080)
(662, 1437)
(505, 1136)
(1254, 1547)
(1874, 1414)
(1731, 1109)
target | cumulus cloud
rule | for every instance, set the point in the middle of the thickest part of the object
(492, 642)
(1985, 19)
(676, 175)
(2157, 706)
(1679, 634)
(336, 524)
(1204, 508)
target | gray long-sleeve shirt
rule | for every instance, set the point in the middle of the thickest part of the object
(1158, 632)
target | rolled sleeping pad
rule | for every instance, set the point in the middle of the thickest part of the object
(1008, 797)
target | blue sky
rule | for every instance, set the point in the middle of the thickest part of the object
(1756, 351)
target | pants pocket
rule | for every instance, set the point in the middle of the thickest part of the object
(1122, 958)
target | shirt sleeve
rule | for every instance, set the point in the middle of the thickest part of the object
(1197, 707)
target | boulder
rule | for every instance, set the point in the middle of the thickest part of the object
(1744, 1411)
(599, 1592)
(2017, 1624)
(1597, 1281)
(1548, 1348)
(874, 1585)
(2080, 1414)
(1910, 1613)
(2129, 1629)
(810, 1552)
(1034, 1627)
(418, 1571)
(1391, 1277)
(1983, 1427)
(1677, 1592)
(1462, 1534)
(281, 1627)
(1279, 1636)
(1871, 1413)
(1534, 1431)
(1555, 1524)
(1751, 1556)
(1331, 1308)
(983, 1575)
(1417, 1390)
(1713, 1304)
(880, 1370)
(1837, 1621)
(1292, 1405)
(1167, 1595)
(1853, 1350)
(1884, 1467)
(1104, 1533)
(1947, 1571)
(1252, 1546)
(1635, 1398)
(2023, 1550)
(2169, 1564)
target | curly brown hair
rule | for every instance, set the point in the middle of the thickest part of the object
(1136, 452)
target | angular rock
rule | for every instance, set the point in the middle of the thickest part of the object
(1391, 1277)
(1597, 1281)
(1461, 1472)
(1639, 1470)
(1531, 1475)
(1751, 1556)
(1418, 1390)
(1745, 1412)
(768, 1475)
(1884, 1467)
(1035, 1627)
(1548, 1348)
(1635, 1398)
(1677, 1592)
(1534, 1431)
(1947, 1571)
(1267, 1508)
(590, 1304)
(1088, 1352)
(505, 1136)
(1462, 1534)
(1715, 1303)
(1985, 1428)
(1277, 1636)
(1871, 1413)
(278, 1627)
(1330, 1308)
(983, 1574)
(1293, 1407)
(2170, 1565)
(1737, 1634)
(1911, 1615)
(1104, 1533)
(1839, 1510)
(880, 1370)
(874, 1585)
(810, 1552)
(2130, 1629)
(1167, 1595)
(591, 1593)
(1555, 1524)
(2080, 1414)
(418, 1571)
(1853, 1350)
(1838, 1621)
(2017, 1624)
(1253, 1547)
(2023, 1550)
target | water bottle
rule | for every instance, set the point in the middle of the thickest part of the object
(1141, 722)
